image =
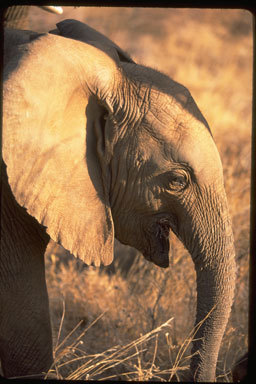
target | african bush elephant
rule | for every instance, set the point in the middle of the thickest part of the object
(97, 146)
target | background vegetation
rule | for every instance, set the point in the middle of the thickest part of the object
(134, 322)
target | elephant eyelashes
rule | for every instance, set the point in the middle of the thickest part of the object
(178, 180)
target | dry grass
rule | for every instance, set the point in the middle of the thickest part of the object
(113, 323)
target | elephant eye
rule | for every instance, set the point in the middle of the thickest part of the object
(178, 180)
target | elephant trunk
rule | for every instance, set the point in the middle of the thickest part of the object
(214, 258)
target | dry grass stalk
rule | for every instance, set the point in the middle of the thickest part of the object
(94, 366)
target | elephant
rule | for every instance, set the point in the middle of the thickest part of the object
(96, 146)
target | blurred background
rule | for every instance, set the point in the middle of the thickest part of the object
(107, 322)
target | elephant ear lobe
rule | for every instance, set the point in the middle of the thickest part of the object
(77, 30)
(50, 149)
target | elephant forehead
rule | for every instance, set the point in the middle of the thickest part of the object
(185, 141)
(198, 150)
(176, 105)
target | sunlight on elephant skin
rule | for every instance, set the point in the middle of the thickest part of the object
(109, 148)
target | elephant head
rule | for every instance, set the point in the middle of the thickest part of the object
(97, 146)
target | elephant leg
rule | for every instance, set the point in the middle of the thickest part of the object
(25, 329)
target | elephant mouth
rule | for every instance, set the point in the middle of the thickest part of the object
(159, 241)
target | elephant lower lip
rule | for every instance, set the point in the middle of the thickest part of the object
(162, 260)
(158, 240)
(161, 255)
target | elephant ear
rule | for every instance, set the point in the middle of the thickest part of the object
(77, 30)
(53, 141)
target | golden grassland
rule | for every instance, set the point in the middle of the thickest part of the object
(137, 323)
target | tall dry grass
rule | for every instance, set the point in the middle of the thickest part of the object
(136, 324)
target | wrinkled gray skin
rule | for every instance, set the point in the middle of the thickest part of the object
(97, 146)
